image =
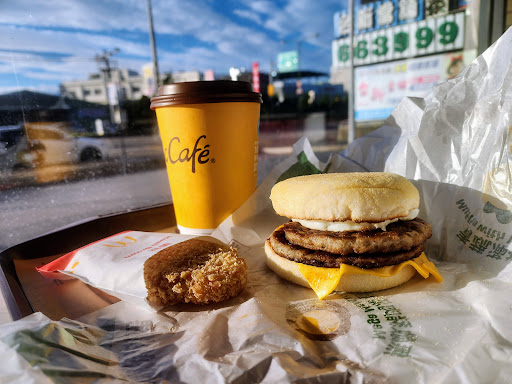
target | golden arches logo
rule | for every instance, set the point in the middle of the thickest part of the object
(119, 244)
(74, 266)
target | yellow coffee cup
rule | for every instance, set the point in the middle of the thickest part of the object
(209, 132)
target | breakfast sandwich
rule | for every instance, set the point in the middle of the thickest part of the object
(352, 232)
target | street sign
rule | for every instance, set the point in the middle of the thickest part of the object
(288, 61)
(256, 76)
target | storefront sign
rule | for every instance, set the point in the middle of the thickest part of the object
(379, 88)
(256, 76)
(426, 37)
(374, 15)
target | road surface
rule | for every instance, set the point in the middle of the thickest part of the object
(32, 211)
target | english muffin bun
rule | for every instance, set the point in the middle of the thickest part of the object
(370, 197)
(353, 232)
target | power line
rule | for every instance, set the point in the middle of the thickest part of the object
(105, 60)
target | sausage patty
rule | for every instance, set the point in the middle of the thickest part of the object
(317, 258)
(398, 236)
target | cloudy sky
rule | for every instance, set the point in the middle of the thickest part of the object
(46, 42)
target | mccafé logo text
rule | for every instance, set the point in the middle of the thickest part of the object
(186, 155)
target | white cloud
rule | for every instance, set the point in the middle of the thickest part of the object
(264, 7)
(86, 45)
(190, 34)
(88, 15)
(248, 15)
(81, 46)
(304, 18)
(195, 18)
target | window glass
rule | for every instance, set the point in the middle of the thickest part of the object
(77, 136)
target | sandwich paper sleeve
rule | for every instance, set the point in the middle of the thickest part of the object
(455, 146)
(114, 264)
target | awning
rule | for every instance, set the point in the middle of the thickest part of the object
(299, 74)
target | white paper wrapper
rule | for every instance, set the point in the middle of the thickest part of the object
(114, 264)
(455, 145)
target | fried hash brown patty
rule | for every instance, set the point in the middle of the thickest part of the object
(398, 236)
(316, 258)
(194, 271)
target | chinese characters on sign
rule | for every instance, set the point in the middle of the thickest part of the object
(380, 14)
(364, 19)
(341, 24)
(408, 10)
(385, 13)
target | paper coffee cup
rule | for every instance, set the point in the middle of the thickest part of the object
(209, 132)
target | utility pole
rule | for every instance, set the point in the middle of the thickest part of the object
(156, 76)
(351, 95)
(105, 67)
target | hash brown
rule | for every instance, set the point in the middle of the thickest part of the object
(194, 271)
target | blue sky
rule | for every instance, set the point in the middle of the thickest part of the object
(45, 42)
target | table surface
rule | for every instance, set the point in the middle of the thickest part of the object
(159, 218)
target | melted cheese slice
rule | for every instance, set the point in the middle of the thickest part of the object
(325, 280)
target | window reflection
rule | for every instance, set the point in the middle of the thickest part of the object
(76, 129)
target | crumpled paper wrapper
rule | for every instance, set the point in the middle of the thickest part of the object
(456, 146)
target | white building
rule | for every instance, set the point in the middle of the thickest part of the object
(95, 89)
(181, 77)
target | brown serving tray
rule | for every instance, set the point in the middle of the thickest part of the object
(26, 291)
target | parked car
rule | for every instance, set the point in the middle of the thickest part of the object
(36, 144)
(48, 143)
(114, 147)
(92, 149)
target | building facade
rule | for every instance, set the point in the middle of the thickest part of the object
(124, 84)
(404, 47)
